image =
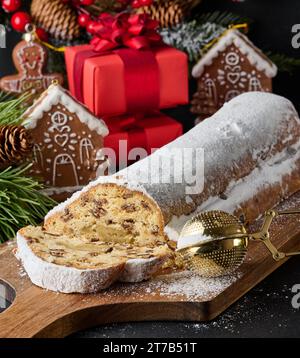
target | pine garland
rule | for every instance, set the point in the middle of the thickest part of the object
(284, 62)
(21, 202)
(223, 18)
(192, 36)
(11, 109)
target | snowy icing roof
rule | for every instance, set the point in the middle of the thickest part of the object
(54, 95)
(255, 56)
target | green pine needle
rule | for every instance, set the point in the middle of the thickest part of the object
(224, 18)
(284, 62)
(11, 109)
(21, 202)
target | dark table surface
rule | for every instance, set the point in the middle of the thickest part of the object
(266, 311)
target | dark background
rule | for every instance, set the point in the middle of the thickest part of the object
(266, 311)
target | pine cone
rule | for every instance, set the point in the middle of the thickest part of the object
(56, 17)
(15, 144)
(169, 12)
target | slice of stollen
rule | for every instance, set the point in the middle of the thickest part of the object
(108, 233)
(110, 212)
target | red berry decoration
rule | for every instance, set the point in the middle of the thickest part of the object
(11, 5)
(84, 19)
(42, 34)
(136, 4)
(86, 2)
(19, 20)
(146, 2)
(91, 27)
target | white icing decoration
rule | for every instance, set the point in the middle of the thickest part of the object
(211, 90)
(61, 139)
(254, 84)
(85, 150)
(232, 59)
(64, 160)
(38, 155)
(58, 119)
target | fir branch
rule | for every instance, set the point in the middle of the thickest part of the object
(11, 110)
(222, 18)
(284, 62)
(191, 37)
(21, 202)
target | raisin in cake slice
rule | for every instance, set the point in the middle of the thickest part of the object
(110, 212)
(109, 233)
(69, 264)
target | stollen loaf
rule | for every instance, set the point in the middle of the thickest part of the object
(250, 162)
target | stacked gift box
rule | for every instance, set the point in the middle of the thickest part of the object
(128, 86)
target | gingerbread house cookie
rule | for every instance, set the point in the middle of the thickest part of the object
(68, 141)
(231, 67)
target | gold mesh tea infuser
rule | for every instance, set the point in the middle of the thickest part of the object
(217, 242)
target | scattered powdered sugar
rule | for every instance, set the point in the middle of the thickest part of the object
(184, 285)
(191, 285)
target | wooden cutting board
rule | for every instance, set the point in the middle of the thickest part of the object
(39, 313)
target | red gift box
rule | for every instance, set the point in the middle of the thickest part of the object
(127, 81)
(151, 132)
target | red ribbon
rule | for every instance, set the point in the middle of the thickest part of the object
(141, 78)
(135, 31)
(136, 133)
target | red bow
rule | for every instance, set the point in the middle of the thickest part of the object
(135, 31)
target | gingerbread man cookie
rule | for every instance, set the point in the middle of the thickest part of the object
(30, 59)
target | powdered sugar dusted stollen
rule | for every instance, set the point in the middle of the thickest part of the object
(251, 162)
